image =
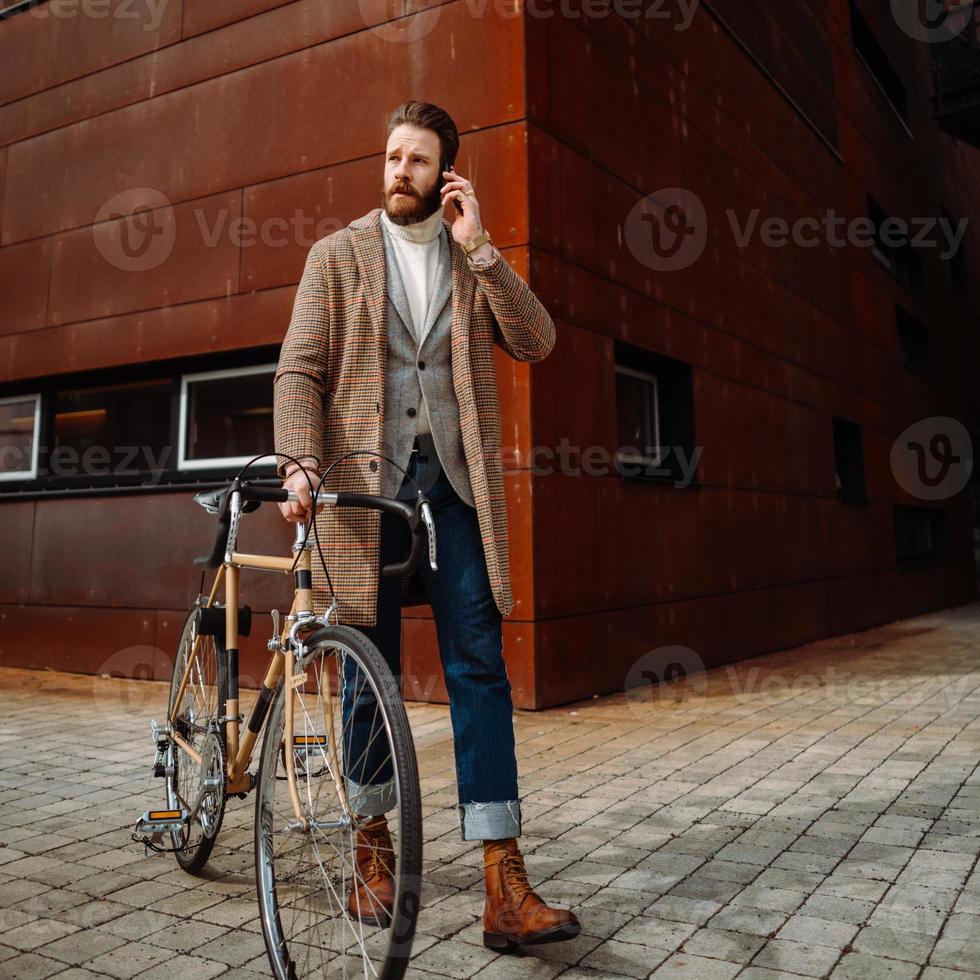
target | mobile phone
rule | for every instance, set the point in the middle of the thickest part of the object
(456, 204)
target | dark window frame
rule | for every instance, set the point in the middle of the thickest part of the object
(675, 424)
(879, 66)
(936, 526)
(849, 469)
(171, 477)
(903, 262)
(914, 341)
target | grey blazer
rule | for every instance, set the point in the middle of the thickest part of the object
(414, 370)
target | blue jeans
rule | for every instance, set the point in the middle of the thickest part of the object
(469, 630)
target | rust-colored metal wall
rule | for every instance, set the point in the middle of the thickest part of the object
(264, 108)
(762, 555)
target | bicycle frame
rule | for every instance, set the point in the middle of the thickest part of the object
(239, 747)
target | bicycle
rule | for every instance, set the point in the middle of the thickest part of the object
(310, 784)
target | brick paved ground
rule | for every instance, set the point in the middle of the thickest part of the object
(810, 813)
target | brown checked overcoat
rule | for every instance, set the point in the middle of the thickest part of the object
(329, 393)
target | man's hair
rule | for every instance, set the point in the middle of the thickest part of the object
(425, 115)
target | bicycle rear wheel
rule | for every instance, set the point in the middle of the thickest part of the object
(353, 757)
(197, 782)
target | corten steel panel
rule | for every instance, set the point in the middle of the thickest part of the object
(83, 640)
(206, 15)
(211, 122)
(591, 654)
(56, 43)
(112, 551)
(192, 328)
(24, 274)
(16, 538)
(289, 215)
(423, 678)
(94, 273)
(219, 52)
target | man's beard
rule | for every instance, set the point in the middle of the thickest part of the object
(412, 208)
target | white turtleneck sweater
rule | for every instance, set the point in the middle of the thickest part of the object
(416, 248)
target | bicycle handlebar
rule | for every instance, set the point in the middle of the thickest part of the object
(418, 517)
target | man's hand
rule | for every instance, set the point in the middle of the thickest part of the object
(296, 480)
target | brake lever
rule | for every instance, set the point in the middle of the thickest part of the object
(430, 527)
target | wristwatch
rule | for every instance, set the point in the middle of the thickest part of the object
(475, 243)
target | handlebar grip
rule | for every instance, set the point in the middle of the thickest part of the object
(409, 565)
(272, 495)
(402, 509)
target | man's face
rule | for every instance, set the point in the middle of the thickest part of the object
(412, 172)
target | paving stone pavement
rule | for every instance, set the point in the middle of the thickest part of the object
(811, 813)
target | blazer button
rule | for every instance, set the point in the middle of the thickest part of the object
(421, 365)
(377, 406)
(373, 465)
(411, 413)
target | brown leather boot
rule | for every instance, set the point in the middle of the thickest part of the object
(372, 895)
(514, 914)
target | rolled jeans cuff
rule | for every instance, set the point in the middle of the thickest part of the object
(371, 800)
(489, 821)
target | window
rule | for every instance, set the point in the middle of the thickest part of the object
(913, 341)
(20, 420)
(654, 417)
(920, 534)
(225, 417)
(870, 51)
(892, 247)
(956, 263)
(849, 461)
(120, 429)
(139, 427)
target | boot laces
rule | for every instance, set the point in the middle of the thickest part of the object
(381, 853)
(515, 874)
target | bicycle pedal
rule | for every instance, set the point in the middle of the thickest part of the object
(306, 745)
(155, 823)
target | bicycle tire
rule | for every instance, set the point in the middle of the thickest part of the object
(192, 857)
(268, 825)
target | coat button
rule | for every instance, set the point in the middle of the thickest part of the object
(373, 466)
(411, 413)
(421, 365)
(377, 406)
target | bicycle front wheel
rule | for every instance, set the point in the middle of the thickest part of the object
(352, 760)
